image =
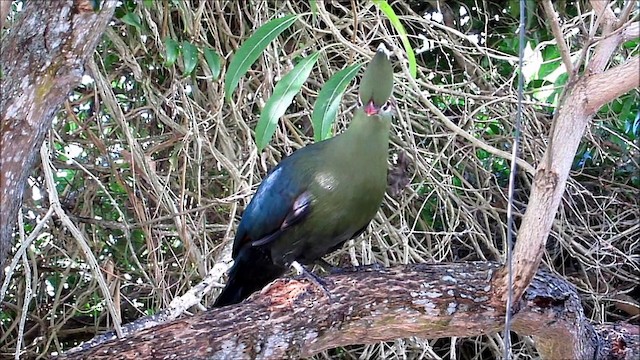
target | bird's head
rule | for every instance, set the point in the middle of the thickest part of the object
(377, 83)
(387, 108)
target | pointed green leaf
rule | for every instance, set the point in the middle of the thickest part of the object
(249, 52)
(395, 21)
(172, 51)
(132, 19)
(213, 60)
(281, 98)
(189, 56)
(328, 102)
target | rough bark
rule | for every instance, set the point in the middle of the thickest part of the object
(42, 59)
(292, 318)
(5, 8)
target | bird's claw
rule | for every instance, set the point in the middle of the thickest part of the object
(313, 278)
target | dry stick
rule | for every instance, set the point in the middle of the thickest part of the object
(125, 224)
(557, 33)
(490, 53)
(28, 293)
(460, 131)
(77, 234)
(24, 244)
(138, 160)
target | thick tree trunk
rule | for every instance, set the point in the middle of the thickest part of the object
(42, 59)
(293, 318)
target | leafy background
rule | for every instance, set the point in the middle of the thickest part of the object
(157, 155)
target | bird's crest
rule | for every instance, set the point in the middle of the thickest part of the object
(377, 82)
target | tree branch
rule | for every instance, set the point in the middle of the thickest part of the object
(610, 42)
(554, 23)
(5, 9)
(291, 318)
(603, 89)
(584, 97)
(39, 69)
(631, 31)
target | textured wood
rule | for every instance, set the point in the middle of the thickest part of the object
(291, 318)
(42, 59)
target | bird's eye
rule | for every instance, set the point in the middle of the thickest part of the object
(386, 107)
(359, 103)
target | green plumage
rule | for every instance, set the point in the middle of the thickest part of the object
(317, 198)
(346, 177)
(377, 82)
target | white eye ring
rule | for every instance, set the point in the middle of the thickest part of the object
(386, 107)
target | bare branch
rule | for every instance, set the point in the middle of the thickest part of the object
(80, 238)
(603, 90)
(608, 44)
(554, 22)
(626, 11)
(631, 31)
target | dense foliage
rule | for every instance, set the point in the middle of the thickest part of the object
(155, 155)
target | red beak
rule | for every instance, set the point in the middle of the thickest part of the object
(371, 108)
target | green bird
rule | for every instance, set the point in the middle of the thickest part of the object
(319, 197)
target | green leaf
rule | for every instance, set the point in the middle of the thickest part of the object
(213, 60)
(116, 188)
(172, 51)
(249, 52)
(313, 4)
(281, 98)
(395, 21)
(189, 56)
(547, 68)
(132, 19)
(328, 102)
(147, 3)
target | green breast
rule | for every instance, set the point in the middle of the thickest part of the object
(347, 181)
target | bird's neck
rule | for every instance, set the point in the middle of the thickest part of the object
(367, 137)
(374, 129)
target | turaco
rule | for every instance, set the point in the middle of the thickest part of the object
(319, 197)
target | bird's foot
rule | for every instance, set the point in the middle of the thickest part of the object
(328, 268)
(313, 278)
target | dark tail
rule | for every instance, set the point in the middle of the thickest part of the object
(251, 271)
